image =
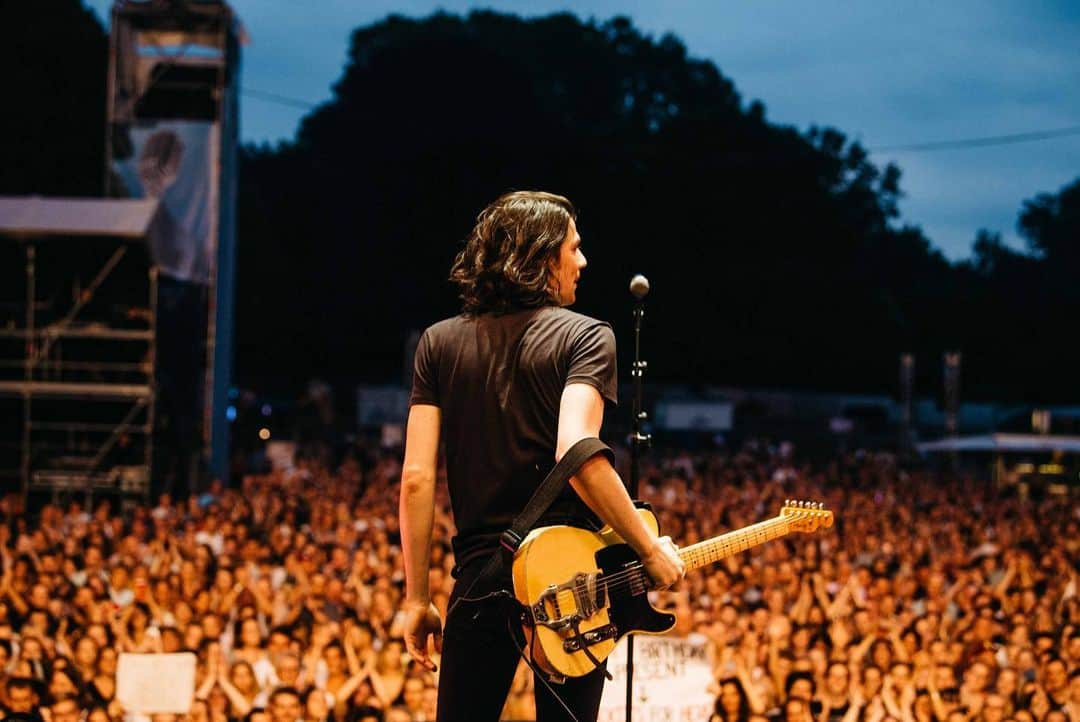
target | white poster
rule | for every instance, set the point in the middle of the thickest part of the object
(671, 681)
(379, 405)
(175, 162)
(149, 683)
(282, 455)
(695, 415)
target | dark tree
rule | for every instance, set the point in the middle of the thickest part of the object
(1051, 226)
(1020, 308)
(767, 249)
(52, 128)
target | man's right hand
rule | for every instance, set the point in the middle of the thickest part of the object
(663, 564)
(421, 622)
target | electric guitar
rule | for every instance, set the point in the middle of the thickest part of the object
(582, 591)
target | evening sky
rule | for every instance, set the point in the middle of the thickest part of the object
(889, 74)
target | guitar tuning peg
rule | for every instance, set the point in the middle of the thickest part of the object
(787, 502)
(802, 504)
(821, 505)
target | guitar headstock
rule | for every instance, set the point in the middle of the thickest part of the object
(806, 516)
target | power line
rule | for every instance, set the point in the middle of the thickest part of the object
(279, 99)
(981, 142)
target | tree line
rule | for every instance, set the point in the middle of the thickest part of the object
(777, 257)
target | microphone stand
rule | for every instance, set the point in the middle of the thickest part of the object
(638, 441)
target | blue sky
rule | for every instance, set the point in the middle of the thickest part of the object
(887, 73)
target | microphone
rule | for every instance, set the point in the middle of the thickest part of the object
(639, 286)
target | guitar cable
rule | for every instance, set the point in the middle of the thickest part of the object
(537, 672)
(506, 596)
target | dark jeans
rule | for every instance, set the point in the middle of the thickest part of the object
(479, 659)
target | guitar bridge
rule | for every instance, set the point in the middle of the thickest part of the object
(589, 595)
(540, 616)
(589, 638)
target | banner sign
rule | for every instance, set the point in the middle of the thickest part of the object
(695, 415)
(671, 681)
(175, 161)
(282, 455)
(379, 405)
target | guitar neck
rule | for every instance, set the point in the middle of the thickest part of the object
(721, 547)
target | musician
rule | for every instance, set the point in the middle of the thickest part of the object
(509, 385)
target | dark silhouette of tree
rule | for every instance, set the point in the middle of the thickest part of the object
(763, 245)
(1021, 306)
(52, 128)
(1051, 225)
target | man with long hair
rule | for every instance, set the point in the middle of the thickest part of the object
(509, 385)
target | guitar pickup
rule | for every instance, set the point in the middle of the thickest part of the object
(589, 638)
(589, 594)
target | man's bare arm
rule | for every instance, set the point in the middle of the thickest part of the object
(417, 506)
(417, 515)
(581, 413)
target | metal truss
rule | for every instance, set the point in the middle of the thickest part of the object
(87, 415)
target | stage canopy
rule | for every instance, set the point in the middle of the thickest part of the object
(33, 216)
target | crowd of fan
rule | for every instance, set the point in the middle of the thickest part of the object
(931, 600)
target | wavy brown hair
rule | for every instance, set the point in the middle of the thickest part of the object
(505, 262)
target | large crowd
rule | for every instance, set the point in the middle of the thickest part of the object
(934, 598)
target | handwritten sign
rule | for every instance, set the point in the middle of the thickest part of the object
(671, 680)
(149, 683)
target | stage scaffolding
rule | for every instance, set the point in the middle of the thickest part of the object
(172, 132)
(77, 359)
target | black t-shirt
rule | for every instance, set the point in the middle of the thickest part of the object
(498, 380)
(837, 714)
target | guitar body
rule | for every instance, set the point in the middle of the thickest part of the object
(584, 591)
(554, 555)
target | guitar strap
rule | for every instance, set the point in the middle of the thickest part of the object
(541, 500)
